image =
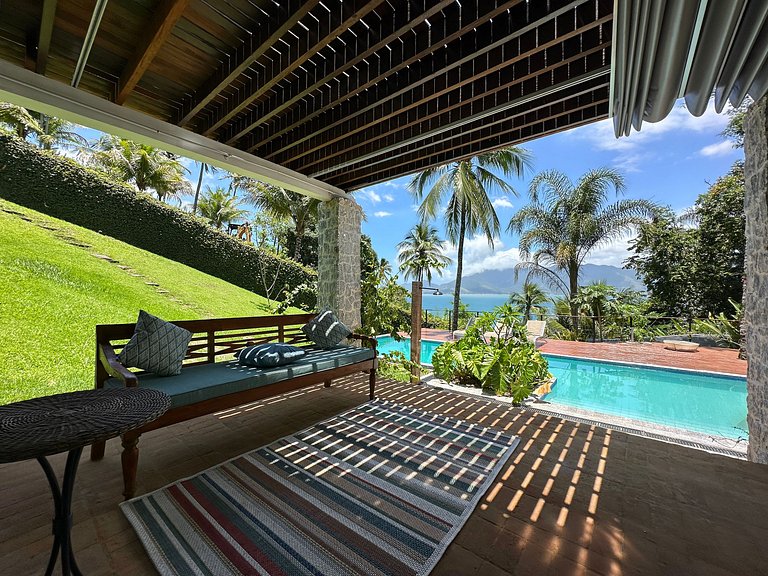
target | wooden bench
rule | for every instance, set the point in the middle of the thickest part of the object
(211, 380)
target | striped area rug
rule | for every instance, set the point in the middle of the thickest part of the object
(380, 489)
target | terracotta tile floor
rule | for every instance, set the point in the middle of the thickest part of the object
(573, 499)
(712, 359)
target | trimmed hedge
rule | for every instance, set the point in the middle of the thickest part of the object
(62, 188)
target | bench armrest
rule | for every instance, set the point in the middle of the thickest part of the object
(370, 341)
(114, 368)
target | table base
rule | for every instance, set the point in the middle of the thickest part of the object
(62, 520)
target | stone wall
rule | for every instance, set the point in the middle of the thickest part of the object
(338, 250)
(756, 293)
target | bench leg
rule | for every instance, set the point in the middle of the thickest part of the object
(371, 384)
(97, 450)
(327, 383)
(130, 460)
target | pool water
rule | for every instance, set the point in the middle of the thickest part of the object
(388, 344)
(713, 404)
(708, 403)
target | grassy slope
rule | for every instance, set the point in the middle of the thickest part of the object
(52, 294)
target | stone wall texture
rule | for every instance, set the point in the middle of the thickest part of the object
(338, 251)
(756, 293)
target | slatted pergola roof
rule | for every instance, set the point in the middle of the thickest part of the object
(354, 92)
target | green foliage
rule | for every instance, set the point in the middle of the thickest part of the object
(62, 188)
(54, 293)
(461, 192)
(280, 203)
(530, 301)
(503, 361)
(219, 207)
(396, 366)
(421, 253)
(384, 303)
(146, 167)
(727, 330)
(566, 221)
(695, 265)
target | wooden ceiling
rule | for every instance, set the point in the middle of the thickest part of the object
(352, 92)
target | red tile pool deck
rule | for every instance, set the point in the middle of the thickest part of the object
(654, 353)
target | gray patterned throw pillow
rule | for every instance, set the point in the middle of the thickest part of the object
(156, 346)
(326, 330)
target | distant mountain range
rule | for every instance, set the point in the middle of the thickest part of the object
(503, 281)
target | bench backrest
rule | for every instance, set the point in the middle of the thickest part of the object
(219, 336)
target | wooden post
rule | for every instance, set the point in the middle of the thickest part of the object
(415, 332)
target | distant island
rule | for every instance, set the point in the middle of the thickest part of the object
(503, 281)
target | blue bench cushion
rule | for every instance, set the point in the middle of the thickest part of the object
(206, 381)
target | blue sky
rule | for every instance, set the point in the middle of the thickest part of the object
(670, 162)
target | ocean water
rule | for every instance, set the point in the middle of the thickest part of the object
(475, 302)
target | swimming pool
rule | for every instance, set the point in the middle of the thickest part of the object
(388, 344)
(710, 403)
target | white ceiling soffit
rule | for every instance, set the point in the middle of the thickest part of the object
(25, 88)
(665, 49)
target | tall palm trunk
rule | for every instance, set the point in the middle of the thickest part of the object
(299, 232)
(573, 288)
(199, 185)
(459, 268)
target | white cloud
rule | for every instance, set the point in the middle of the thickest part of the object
(502, 202)
(479, 256)
(382, 214)
(388, 198)
(612, 254)
(718, 149)
(639, 148)
(370, 195)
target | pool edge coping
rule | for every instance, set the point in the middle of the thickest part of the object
(645, 365)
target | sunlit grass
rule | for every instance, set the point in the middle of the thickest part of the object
(52, 294)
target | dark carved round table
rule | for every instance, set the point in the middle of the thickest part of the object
(66, 423)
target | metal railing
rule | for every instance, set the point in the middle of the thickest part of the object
(612, 328)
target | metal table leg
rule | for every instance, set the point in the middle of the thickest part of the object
(62, 521)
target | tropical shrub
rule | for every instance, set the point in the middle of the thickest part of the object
(396, 366)
(495, 355)
(62, 188)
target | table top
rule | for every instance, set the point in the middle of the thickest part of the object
(62, 422)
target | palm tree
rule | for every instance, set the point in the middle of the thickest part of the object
(566, 221)
(218, 206)
(530, 300)
(460, 190)
(19, 120)
(146, 167)
(48, 131)
(598, 299)
(204, 169)
(281, 203)
(421, 253)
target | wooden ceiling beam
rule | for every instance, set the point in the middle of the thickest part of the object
(336, 23)
(391, 29)
(497, 38)
(465, 122)
(257, 44)
(458, 95)
(44, 36)
(449, 31)
(504, 130)
(161, 25)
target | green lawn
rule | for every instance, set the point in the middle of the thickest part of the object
(52, 294)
